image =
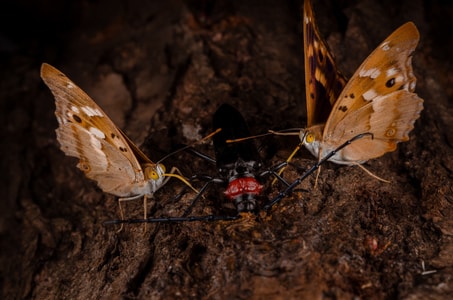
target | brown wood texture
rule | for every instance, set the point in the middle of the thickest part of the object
(160, 69)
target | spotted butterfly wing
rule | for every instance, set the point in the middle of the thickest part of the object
(379, 98)
(323, 81)
(105, 154)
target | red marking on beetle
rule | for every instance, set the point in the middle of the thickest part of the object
(244, 185)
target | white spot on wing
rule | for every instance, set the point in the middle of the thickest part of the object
(369, 95)
(385, 46)
(96, 132)
(69, 85)
(96, 154)
(392, 71)
(75, 109)
(399, 79)
(96, 144)
(92, 112)
(372, 73)
(60, 120)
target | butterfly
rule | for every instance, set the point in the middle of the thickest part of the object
(106, 155)
(378, 99)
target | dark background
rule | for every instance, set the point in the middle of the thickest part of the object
(160, 69)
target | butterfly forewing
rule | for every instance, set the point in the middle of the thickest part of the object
(323, 81)
(385, 71)
(87, 133)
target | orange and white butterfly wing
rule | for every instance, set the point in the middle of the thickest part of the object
(98, 159)
(87, 133)
(389, 118)
(323, 81)
(379, 98)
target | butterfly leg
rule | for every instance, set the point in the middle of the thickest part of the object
(121, 200)
(184, 217)
(319, 169)
(371, 173)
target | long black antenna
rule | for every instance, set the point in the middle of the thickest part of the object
(175, 219)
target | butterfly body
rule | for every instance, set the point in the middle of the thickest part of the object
(106, 155)
(378, 99)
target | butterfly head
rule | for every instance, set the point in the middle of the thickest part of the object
(307, 137)
(154, 174)
(311, 138)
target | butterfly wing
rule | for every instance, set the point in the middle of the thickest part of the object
(87, 133)
(98, 159)
(323, 82)
(379, 99)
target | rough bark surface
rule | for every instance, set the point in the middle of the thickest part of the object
(160, 69)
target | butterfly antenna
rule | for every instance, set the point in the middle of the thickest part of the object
(316, 166)
(247, 138)
(191, 145)
(174, 169)
(291, 131)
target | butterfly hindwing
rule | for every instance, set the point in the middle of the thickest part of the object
(99, 160)
(389, 118)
